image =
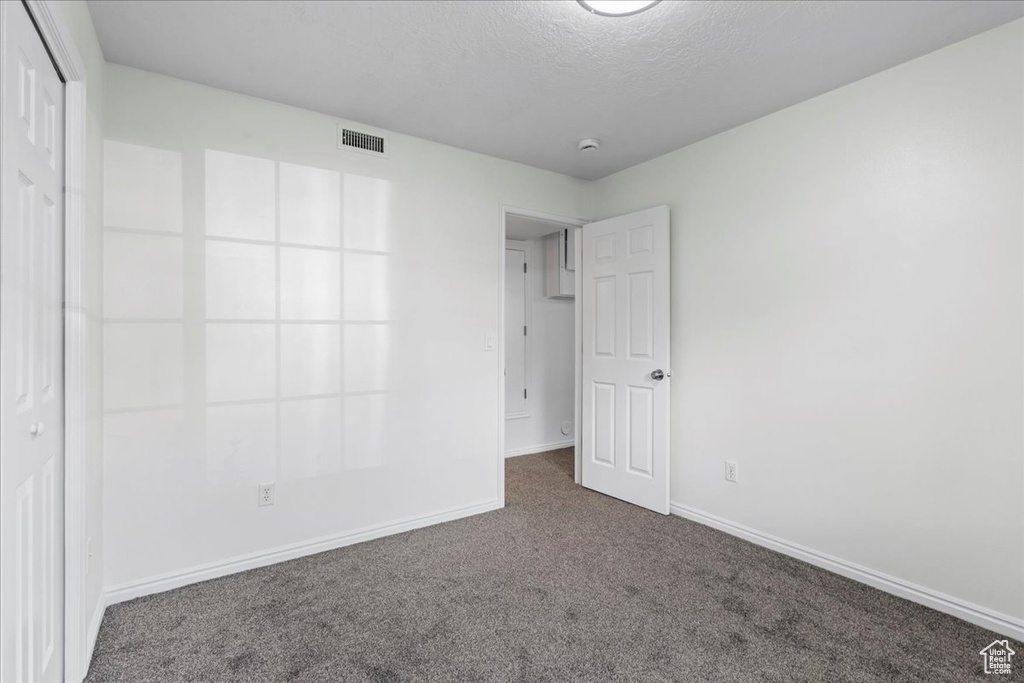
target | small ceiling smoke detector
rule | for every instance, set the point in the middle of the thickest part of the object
(617, 8)
(589, 144)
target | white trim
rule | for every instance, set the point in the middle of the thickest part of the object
(94, 627)
(164, 582)
(578, 389)
(58, 39)
(975, 614)
(540, 448)
(61, 45)
(500, 364)
(540, 215)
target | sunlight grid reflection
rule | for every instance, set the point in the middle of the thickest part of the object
(251, 306)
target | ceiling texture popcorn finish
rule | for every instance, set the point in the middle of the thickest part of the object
(525, 81)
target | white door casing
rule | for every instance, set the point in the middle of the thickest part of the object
(31, 357)
(624, 321)
(515, 328)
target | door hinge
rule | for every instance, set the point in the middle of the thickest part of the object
(524, 393)
(524, 330)
(524, 267)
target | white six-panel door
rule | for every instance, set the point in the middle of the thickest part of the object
(625, 349)
(31, 357)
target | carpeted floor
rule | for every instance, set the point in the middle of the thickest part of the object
(562, 585)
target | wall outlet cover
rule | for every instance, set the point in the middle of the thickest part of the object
(732, 472)
(265, 495)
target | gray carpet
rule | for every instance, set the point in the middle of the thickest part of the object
(562, 585)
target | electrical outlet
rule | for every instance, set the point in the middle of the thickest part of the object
(732, 471)
(266, 494)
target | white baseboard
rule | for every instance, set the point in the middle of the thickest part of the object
(975, 614)
(94, 629)
(91, 634)
(164, 582)
(543, 448)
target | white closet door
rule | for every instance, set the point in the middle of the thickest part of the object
(31, 357)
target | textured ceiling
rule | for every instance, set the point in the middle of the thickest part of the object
(526, 80)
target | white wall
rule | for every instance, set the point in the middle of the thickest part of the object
(551, 365)
(376, 404)
(76, 17)
(847, 320)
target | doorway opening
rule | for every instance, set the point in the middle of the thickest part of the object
(616, 363)
(539, 340)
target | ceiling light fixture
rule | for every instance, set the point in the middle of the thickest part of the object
(617, 8)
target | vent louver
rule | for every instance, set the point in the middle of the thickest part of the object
(353, 139)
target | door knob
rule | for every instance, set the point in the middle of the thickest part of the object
(36, 429)
(659, 375)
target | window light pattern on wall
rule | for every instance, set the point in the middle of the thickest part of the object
(265, 315)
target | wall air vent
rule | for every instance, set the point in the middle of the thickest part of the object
(358, 141)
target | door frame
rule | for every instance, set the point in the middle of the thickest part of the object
(499, 365)
(64, 52)
(578, 384)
